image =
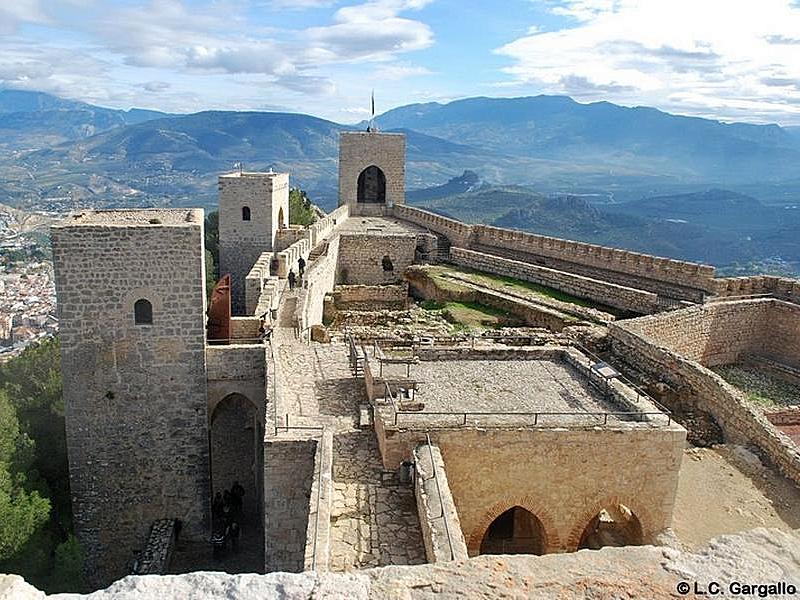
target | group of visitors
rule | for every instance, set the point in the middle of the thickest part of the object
(226, 512)
(294, 279)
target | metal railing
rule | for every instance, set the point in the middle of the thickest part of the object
(235, 341)
(288, 427)
(441, 515)
(538, 417)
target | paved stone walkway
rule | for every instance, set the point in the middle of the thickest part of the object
(374, 522)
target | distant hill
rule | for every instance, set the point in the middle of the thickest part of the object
(558, 128)
(466, 182)
(716, 226)
(36, 119)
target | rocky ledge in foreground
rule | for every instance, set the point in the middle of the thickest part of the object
(767, 557)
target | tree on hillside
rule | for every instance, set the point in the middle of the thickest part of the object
(22, 511)
(32, 412)
(301, 211)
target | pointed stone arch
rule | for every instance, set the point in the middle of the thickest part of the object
(532, 505)
(641, 516)
(371, 186)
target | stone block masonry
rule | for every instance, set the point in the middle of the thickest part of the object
(359, 150)
(677, 347)
(288, 477)
(134, 393)
(361, 258)
(609, 294)
(438, 517)
(252, 208)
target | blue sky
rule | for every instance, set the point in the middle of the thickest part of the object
(725, 59)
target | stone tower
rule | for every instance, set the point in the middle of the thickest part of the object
(252, 207)
(131, 310)
(372, 170)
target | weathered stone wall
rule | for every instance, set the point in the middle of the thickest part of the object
(318, 534)
(666, 276)
(237, 369)
(438, 517)
(371, 297)
(288, 236)
(359, 150)
(242, 242)
(715, 334)
(778, 287)
(663, 276)
(563, 476)
(664, 347)
(135, 395)
(317, 283)
(609, 294)
(632, 572)
(361, 256)
(288, 475)
(457, 232)
(324, 227)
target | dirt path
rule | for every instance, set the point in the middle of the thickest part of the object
(725, 489)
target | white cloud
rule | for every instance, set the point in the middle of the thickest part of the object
(731, 59)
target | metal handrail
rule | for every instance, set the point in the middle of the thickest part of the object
(442, 516)
(535, 415)
(235, 340)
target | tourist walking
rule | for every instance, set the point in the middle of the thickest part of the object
(292, 279)
(301, 265)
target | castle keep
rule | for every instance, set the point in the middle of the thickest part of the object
(360, 444)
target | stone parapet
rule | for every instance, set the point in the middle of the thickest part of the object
(438, 517)
(318, 533)
(609, 294)
(677, 348)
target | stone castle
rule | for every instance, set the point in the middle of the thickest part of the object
(359, 448)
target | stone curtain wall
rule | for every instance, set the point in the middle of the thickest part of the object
(443, 541)
(664, 347)
(610, 294)
(323, 228)
(237, 369)
(318, 281)
(359, 150)
(457, 232)
(288, 476)
(563, 477)
(134, 395)
(361, 256)
(778, 287)
(242, 242)
(721, 333)
(664, 276)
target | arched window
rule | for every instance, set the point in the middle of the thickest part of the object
(143, 312)
(386, 263)
(281, 219)
(245, 213)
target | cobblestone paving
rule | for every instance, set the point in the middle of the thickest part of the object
(374, 520)
(372, 523)
(315, 386)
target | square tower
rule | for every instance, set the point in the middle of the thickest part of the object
(131, 308)
(252, 207)
(372, 170)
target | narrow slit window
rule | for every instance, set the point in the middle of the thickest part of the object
(143, 312)
(245, 213)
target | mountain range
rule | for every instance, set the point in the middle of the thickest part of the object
(542, 163)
